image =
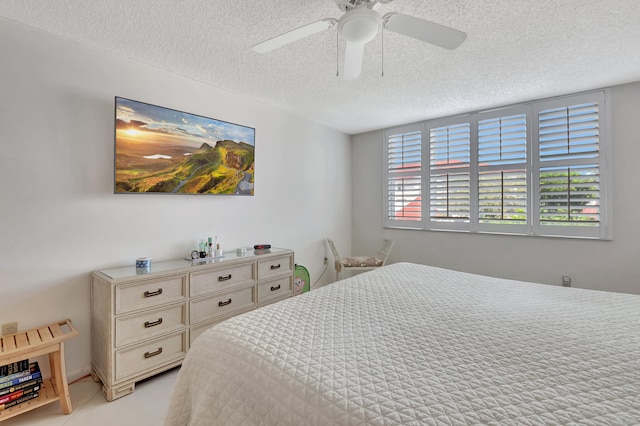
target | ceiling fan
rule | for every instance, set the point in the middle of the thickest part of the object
(360, 24)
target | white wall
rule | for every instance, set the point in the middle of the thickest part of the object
(59, 218)
(603, 265)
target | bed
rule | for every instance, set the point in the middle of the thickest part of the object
(418, 345)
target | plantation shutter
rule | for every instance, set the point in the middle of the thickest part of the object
(570, 195)
(403, 178)
(449, 175)
(569, 167)
(502, 171)
(537, 168)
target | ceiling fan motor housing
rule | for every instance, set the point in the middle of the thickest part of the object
(360, 25)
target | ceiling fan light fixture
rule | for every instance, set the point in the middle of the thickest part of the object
(360, 25)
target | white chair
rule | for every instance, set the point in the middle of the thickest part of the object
(360, 263)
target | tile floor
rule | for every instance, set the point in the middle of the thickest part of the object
(145, 407)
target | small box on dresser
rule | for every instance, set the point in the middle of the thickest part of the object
(143, 324)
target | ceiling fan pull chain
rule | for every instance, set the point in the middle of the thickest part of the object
(337, 54)
(382, 40)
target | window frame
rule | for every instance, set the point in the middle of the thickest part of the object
(432, 224)
(387, 221)
(532, 166)
(518, 229)
(604, 230)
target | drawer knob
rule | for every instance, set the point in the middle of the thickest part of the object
(154, 353)
(149, 324)
(275, 266)
(225, 303)
(153, 293)
(275, 288)
(228, 277)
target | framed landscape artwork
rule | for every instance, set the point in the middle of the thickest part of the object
(161, 150)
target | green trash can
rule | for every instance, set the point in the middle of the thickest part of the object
(301, 280)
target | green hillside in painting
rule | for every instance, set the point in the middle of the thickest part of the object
(226, 168)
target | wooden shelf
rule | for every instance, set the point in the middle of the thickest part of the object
(48, 339)
(46, 395)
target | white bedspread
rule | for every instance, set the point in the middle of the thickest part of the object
(412, 344)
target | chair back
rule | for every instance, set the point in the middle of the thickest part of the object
(385, 251)
(336, 256)
(333, 248)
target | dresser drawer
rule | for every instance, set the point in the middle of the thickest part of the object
(132, 329)
(207, 308)
(219, 279)
(141, 358)
(275, 266)
(276, 289)
(150, 293)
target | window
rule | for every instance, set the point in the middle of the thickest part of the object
(403, 178)
(571, 197)
(502, 177)
(449, 176)
(532, 169)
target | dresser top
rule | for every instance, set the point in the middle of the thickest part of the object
(186, 264)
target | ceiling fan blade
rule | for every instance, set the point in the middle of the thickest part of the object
(353, 60)
(294, 35)
(423, 30)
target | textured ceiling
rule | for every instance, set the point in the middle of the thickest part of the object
(516, 50)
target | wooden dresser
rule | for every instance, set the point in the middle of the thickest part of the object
(143, 321)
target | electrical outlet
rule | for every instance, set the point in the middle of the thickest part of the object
(566, 281)
(9, 328)
(326, 260)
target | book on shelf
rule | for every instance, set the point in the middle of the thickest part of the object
(19, 386)
(14, 367)
(24, 398)
(23, 376)
(19, 394)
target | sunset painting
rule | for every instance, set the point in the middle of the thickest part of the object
(161, 150)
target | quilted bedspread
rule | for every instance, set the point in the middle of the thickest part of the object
(418, 345)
